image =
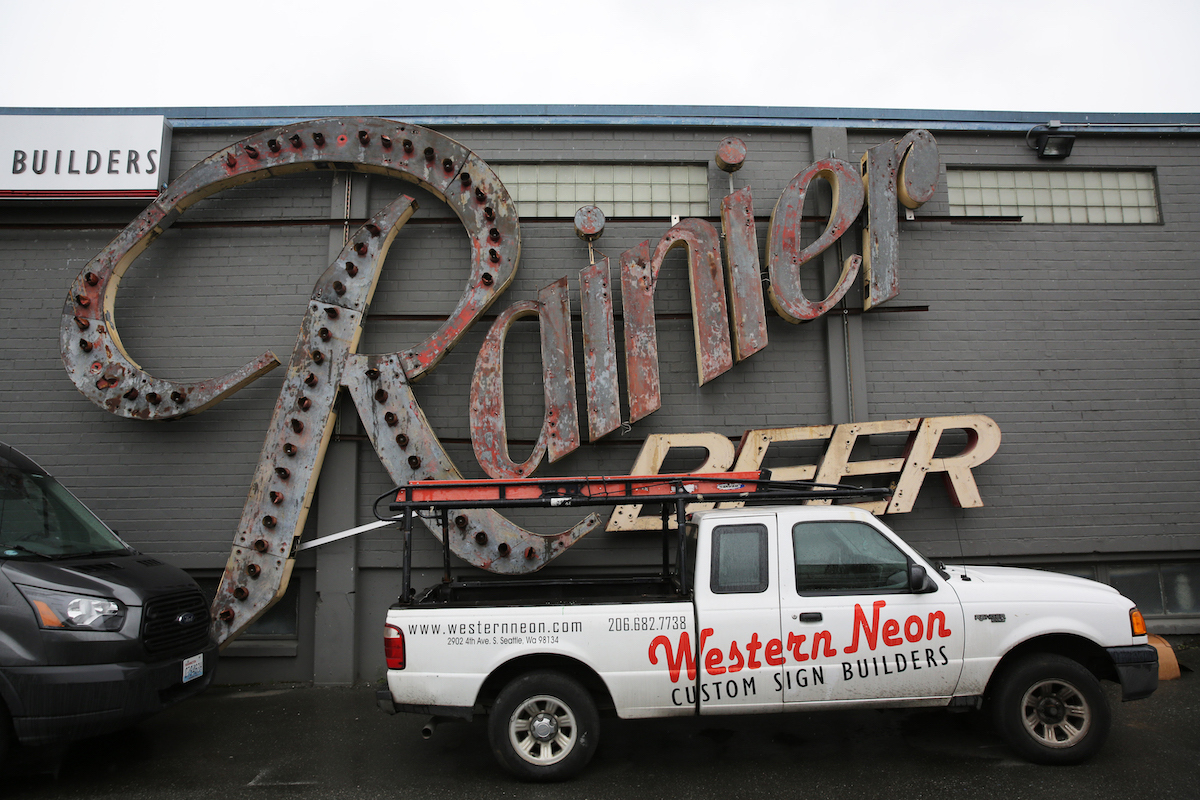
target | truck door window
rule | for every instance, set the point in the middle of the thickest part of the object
(844, 557)
(739, 559)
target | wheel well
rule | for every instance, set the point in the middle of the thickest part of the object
(563, 664)
(1084, 651)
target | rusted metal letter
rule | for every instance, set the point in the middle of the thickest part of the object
(745, 280)
(413, 433)
(599, 351)
(278, 503)
(904, 171)
(785, 256)
(127, 390)
(641, 339)
(710, 311)
(97, 283)
(107, 375)
(560, 426)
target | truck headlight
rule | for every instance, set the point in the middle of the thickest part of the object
(71, 611)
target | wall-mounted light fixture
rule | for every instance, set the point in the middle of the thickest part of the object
(1048, 142)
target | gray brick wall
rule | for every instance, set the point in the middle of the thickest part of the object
(1079, 341)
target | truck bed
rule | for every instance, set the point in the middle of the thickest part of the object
(565, 590)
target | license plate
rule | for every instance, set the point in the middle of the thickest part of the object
(193, 668)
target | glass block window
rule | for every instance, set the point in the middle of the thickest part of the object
(1158, 589)
(620, 190)
(1141, 584)
(1055, 196)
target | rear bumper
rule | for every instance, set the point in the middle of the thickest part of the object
(1137, 669)
(61, 703)
(383, 698)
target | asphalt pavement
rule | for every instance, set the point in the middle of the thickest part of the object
(235, 743)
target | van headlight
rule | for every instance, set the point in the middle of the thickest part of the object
(71, 611)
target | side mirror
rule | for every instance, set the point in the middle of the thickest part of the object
(919, 581)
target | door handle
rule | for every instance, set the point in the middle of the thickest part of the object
(811, 616)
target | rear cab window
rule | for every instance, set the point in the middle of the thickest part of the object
(740, 562)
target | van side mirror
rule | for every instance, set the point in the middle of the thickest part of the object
(919, 581)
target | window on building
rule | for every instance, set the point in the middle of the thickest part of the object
(1105, 197)
(281, 621)
(620, 190)
(1159, 589)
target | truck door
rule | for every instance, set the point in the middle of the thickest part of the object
(737, 605)
(853, 628)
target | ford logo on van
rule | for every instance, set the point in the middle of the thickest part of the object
(186, 618)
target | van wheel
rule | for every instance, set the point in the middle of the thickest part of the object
(544, 727)
(1051, 710)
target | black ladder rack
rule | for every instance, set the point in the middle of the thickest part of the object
(669, 491)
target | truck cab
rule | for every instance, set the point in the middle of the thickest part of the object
(839, 609)
(816, 606)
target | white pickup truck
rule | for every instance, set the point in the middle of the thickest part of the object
(779, 608)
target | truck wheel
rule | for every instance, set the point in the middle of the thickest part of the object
(544, 727)
(1051, 710)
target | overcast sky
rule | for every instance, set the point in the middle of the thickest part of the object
(1016, 55)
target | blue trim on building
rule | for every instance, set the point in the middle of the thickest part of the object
(650, 116)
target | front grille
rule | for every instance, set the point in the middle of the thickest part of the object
(162, 631)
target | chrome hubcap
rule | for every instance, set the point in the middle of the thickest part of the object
(543, 727)
(1055, 713)
(542, 730)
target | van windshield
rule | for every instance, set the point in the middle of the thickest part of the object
(41, 519)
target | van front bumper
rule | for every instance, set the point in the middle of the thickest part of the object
(60, 703)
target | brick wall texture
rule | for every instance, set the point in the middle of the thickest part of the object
(1079, 340)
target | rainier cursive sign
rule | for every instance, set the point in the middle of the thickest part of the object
(325, 357)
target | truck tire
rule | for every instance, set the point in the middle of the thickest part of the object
(1051, 710)
(544, 727)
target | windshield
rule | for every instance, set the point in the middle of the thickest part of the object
(41, 519)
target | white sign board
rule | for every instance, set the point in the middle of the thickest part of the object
(83, 157)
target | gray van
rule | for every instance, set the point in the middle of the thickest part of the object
(94, 636)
